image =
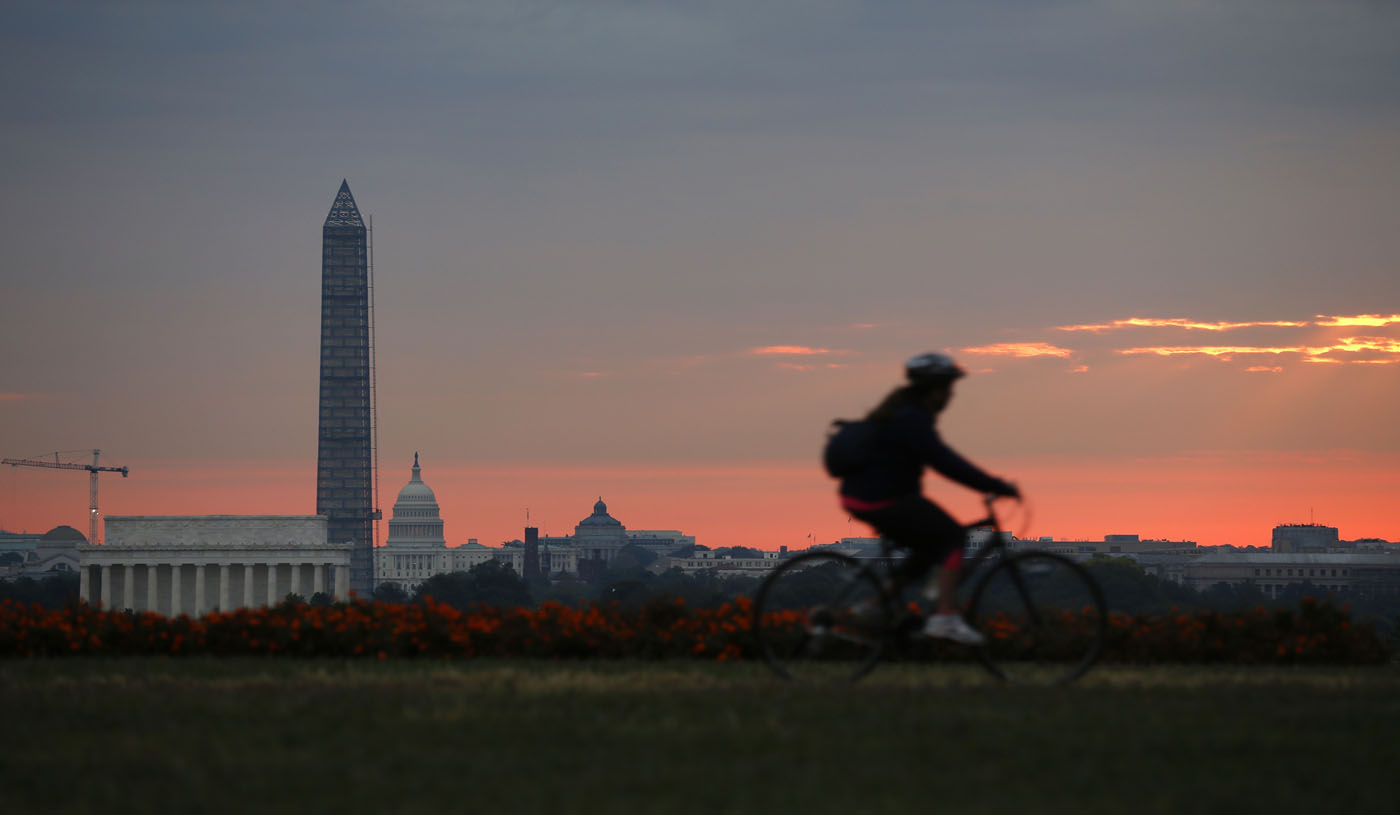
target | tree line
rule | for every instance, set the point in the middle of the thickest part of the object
(627, 580)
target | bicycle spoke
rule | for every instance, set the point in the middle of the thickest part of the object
(820, 617)
(1043, 617)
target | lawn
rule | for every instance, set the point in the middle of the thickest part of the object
(267, 735)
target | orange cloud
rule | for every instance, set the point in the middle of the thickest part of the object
(1265, 369)
(1384, 345)
(1311, 353)
(795, 366)
(1368, 320)
(1211, 350)
(789, 350)
(1020, 349)
(1179, 322)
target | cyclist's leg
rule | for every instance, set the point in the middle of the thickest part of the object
(948, 578)
(923, 529)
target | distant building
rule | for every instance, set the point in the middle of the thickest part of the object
(344, 455)
(57, 553)
(725, 566)
(15, 549)
(1275, 572)
(193, 564)
(1304, 538)
(38, 556)
(1110, 545)
(599, 537)
(416, 548)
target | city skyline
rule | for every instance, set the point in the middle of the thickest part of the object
(649, 253)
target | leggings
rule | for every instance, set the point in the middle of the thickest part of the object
(920, 526)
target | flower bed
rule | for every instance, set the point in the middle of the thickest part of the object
(1317, 633)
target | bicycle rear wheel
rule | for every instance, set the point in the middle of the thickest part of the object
(1043, 616)
(820, 617)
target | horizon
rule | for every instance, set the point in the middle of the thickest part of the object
(641, 499)
(649, 253)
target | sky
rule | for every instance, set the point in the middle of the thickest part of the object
(646, 251)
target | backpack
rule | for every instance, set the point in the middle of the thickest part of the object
(851, 446)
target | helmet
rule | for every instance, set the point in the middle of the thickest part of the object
(932, 368)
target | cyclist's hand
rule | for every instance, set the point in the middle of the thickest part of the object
(1008, 490)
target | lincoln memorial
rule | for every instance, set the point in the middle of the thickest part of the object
(192, 564)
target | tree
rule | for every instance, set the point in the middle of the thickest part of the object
(1233, 597)
(642, 555)
(1127, 587)
(491, 583)
(630, 593)
(389, 593)
(568, 590)
(591, 570)
(456, 589)
(54, 591)
(498, 585)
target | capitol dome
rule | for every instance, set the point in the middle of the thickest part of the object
(416, 521)
(415, 492)
(600, 523)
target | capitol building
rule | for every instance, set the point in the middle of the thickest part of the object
(417, 549)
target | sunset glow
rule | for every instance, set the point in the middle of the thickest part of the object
(650, 251)
(1235, 497)
(1370, 320)
(789, 350)
(1178, 322)
(1224, 351)
(1020, 349)
(1313, 353)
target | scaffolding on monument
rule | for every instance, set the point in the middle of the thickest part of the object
(375, 513)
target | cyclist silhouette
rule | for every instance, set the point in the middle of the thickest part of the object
(885, 492)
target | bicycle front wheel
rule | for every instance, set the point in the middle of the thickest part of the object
(821, 617)
(1043, 617)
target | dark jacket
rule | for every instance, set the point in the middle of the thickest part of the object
(907, 443)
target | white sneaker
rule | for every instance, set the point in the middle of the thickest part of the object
(952, 627)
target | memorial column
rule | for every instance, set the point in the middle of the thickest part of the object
(83, 582)
(129, 587)
(174, 590)
(199, 589)
(106, 587)
(342, 583)
(223, 586)
(247, 585)
(152, 584)
(271, 585)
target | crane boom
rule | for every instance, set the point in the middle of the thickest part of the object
(92, 469)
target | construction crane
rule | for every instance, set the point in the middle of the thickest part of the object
(92, 469)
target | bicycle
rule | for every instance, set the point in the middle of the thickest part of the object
(826, 616)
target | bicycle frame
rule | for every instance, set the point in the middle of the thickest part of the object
(987, 552)
(864, 606)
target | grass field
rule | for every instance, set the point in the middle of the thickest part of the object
(156, 735)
